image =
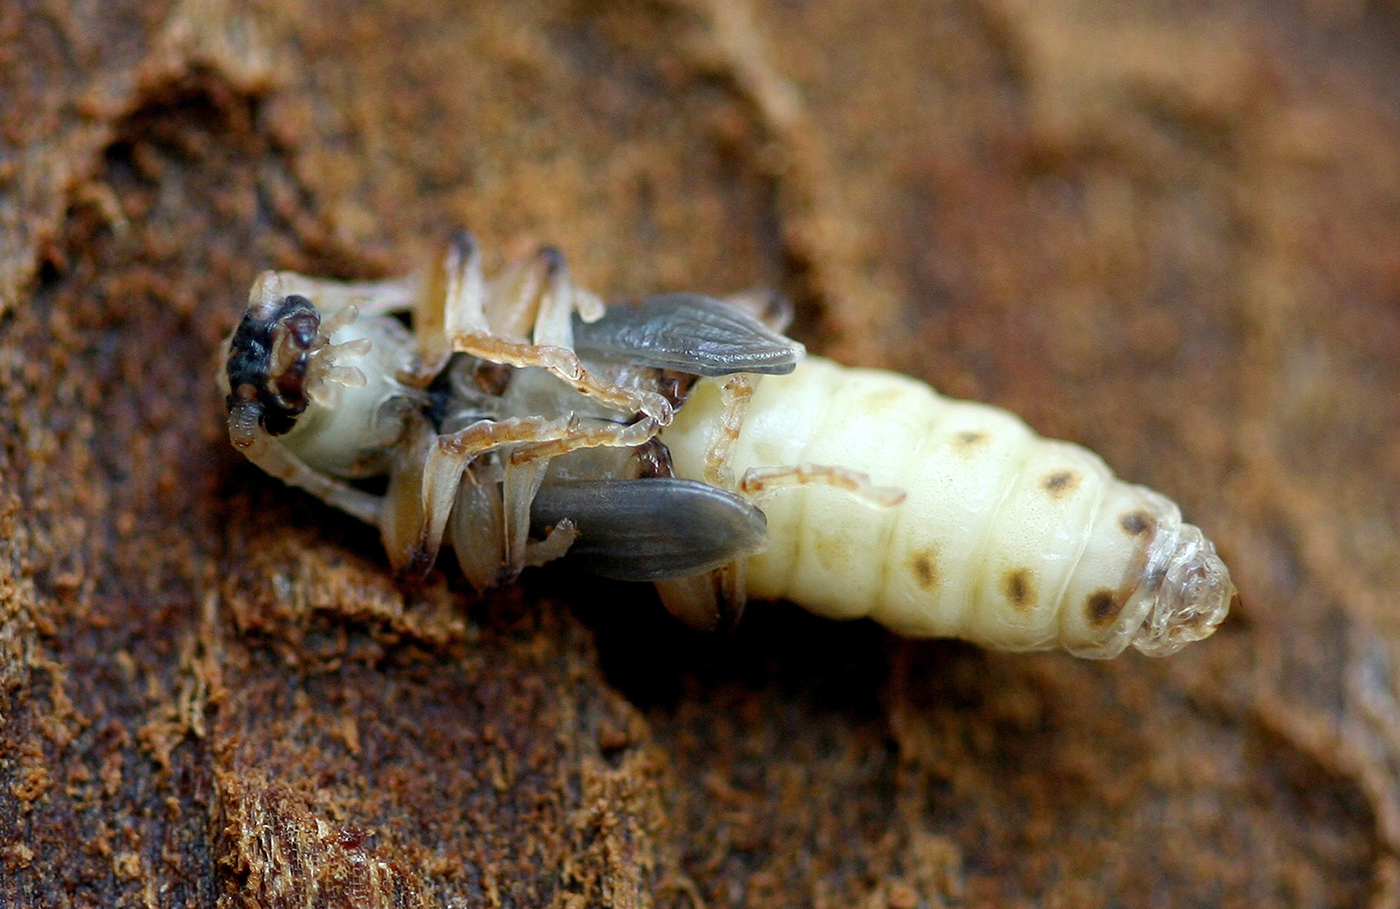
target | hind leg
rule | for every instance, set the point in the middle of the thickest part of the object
(715, 599)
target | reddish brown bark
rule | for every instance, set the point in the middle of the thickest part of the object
(1163, 231)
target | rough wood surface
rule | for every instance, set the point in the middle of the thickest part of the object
(1165, 230)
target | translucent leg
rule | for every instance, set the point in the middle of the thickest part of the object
(735, 395)
(760, 482)
(716, 599)
(277, 461)
(490, 549)
(555, 544)
(450, 302)
(594, 434)
(427, 475)
(461, 312)
(372, 298)
(518, 490)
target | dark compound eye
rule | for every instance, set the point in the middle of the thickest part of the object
(301, 320)
(253, 373)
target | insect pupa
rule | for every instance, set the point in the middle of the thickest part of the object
(682, 440)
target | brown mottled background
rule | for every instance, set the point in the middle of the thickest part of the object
(1166, 230)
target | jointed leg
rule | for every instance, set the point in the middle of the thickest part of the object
(535, 299)
(735, 393)
(760, 482)
(277, 461)
(716, 599)
(430, 471)
(426, 478)
(518, 490)
(490, 549)
(593, 434)
(372, 298)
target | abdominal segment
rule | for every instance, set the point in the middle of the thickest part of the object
(1004, 538)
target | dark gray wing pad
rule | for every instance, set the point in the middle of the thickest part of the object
(648, 530)
(689, 333)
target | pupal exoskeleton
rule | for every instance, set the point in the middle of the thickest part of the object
(681, 441)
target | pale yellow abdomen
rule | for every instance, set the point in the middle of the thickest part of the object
(1004, 538)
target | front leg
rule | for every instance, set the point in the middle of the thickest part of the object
(275, 460)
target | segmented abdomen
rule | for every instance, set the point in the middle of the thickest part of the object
(1005, 538)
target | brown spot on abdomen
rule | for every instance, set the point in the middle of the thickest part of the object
(1019, 587)
(969, 440)
(1060, 482)
(1102, 607)
(1137, 523)
(923, 565)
